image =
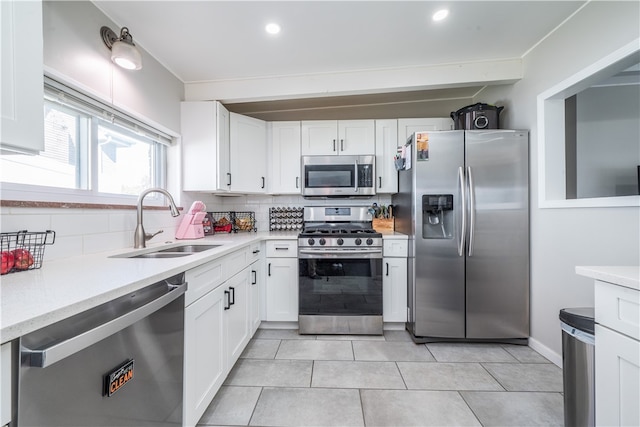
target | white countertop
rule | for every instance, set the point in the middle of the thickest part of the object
(61, 288)
(627, 276)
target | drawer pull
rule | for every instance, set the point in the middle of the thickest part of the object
(228, 300)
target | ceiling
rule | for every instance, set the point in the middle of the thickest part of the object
(201, 41)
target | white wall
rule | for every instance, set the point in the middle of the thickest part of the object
(75, 53)
(564, 238)
(73, 49)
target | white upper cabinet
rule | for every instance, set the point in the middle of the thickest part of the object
(356, 137)
(284, 157)
(407, 127)
(205, 147)
(386, 148)
(353, 137)
(222, 151)
(22, 76)
(248, 154)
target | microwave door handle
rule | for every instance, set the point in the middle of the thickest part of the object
(355, 164)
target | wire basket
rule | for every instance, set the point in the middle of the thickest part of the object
(222, 222)
(232, 221)
(24, 250)
(244, 221)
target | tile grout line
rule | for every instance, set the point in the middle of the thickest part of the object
(493, 376)
(313, 366)
(253, 412)
(364, 421)
(469, 406)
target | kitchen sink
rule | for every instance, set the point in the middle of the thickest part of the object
(190, 248)
(162, 255)
(173, 252)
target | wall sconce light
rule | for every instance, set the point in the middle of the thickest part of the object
(123, 52)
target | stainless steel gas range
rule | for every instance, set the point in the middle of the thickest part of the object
(340, 272)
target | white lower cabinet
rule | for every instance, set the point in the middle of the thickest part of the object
(255, 289)
(617, 332)
(217, 328)
(237, 316)
(394, 280)
(282, 281)
(5, 383)
(617, 379)
(204, 353)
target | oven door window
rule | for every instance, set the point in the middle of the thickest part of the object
(329, 176)
(340, 286)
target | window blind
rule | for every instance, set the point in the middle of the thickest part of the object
(56, 91)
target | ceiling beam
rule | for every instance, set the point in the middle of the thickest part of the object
(357, 82)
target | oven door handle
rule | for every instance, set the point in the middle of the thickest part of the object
(342, 253)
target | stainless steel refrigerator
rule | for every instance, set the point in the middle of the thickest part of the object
(464, 202)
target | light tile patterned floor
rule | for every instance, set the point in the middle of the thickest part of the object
(285, 379)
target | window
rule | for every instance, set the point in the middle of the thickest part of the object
(90, 149)
(588, 133)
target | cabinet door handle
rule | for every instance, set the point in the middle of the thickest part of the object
(255, 277)
(297, 179)
(342, 145)
(256, 251)
(387, 268)
(334, 145)
(228, 179)
(379, 182)
(233, 295)
(263, 182)
(227, 303)
(269, 270)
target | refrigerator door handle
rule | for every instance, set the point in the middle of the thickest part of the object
(472, 209)
(463, 221)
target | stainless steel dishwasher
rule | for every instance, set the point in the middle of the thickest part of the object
(119, 364)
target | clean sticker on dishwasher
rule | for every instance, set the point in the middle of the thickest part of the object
(117, 378)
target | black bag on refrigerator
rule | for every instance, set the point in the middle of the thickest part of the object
(477, 117)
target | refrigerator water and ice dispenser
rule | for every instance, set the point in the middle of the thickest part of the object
(437, 216)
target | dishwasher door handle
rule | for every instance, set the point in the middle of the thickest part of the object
(41, 358)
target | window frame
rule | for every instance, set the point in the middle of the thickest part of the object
(551, 136)
(97, 111)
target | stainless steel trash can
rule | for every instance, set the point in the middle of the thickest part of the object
(578, 368)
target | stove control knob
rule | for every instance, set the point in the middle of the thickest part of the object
(358, 241)
(311, 241)
(340, 242)
(369, 241)
(322, 241)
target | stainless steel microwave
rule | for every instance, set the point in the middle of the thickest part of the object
(338, 176)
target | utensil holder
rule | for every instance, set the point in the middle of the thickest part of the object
(383, 224)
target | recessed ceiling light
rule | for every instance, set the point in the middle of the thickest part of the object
(440, 15)
(272, 28)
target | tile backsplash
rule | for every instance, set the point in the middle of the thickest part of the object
(261, 204)
(88, 231)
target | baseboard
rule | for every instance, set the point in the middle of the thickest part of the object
(388, 326)
(554, 357)
(278, 325)
(394, 326)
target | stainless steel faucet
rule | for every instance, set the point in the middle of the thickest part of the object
(140, 237)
